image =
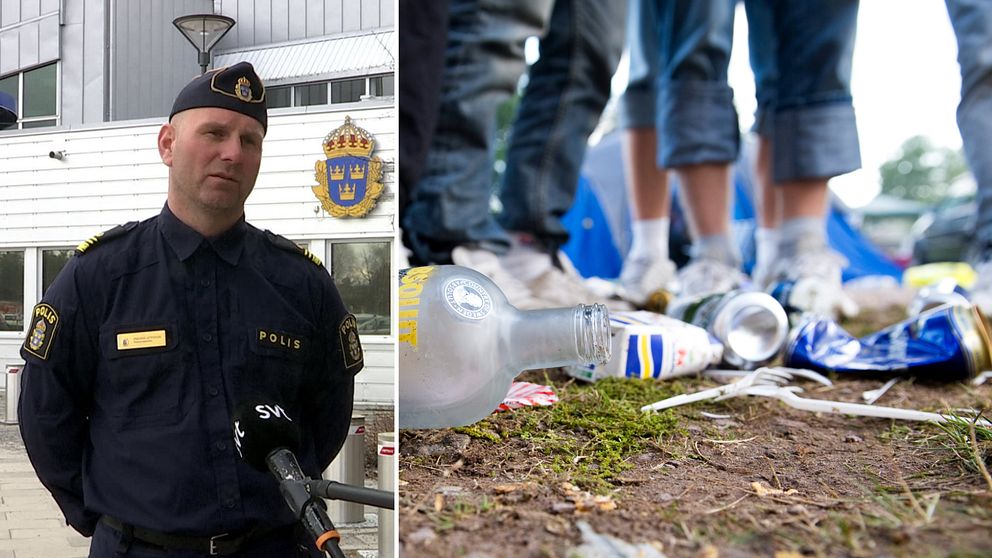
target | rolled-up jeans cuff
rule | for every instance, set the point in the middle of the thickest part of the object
(697, 124)
(637, 108)
(815, 142)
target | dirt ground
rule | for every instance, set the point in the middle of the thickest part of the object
(766, 480)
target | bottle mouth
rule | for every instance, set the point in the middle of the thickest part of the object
(593, 341)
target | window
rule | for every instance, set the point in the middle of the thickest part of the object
(313, 94)
(52, 262)
(347, 91)
(361, 273)
(342, 91)
(11, 290)
(279, 97)
(35, 96)
(381, 86)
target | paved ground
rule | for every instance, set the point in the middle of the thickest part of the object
(31, 525)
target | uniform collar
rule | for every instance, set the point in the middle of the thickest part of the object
(184, 240)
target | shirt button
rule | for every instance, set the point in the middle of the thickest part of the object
(207, 337)
(212, 391)
(221, 446)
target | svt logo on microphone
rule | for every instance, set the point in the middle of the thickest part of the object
(266, 412)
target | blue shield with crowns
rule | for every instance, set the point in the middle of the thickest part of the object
(346, 177)
(349, 178)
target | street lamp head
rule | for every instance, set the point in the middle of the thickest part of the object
(203, 31)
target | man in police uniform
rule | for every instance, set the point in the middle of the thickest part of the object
(155, 332)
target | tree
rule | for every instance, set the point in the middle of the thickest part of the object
(921, 171)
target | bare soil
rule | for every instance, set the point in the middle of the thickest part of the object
(767, 481)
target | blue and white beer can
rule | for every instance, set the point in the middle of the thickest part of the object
(947, 343)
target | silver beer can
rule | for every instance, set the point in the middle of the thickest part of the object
(752, 325)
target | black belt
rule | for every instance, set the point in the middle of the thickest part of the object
(217, 545)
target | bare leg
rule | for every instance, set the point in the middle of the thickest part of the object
(646, 183)
(647, 268)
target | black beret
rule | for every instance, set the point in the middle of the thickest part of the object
(236, 88)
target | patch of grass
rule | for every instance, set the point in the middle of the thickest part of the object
(968, 442)
(482, 430)
(594, 429)
(457, 510)
(896, 432)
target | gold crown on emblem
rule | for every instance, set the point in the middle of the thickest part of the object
(337, 172)
(348, 139)
(243, 89)
(346, 192)
(357, 172)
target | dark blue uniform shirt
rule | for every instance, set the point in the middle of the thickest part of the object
(144, 346)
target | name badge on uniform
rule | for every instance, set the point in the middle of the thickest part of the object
(141, 340)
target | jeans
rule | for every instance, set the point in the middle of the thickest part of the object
(972, 22)
(682, 90)
(567, 90)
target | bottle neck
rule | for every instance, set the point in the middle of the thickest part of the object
(559, 336)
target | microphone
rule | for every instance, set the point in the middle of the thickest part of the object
(265, 437)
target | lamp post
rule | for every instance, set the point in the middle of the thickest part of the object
(203, 31)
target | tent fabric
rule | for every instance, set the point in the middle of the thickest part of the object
(599, 222)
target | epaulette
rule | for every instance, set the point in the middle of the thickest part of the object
(119, 230)
(290, 246)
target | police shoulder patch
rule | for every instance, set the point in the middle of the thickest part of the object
(351, 346)
(41, 332)
(119, 230)
(290, 246)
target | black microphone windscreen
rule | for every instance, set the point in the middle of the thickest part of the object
(262, 427)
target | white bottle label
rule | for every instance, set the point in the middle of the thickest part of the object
(468, 299)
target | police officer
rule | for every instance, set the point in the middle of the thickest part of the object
(156, 331)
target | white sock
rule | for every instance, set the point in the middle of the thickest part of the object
(719, 247)
(649, 239)
(801, 234)
(765, 247)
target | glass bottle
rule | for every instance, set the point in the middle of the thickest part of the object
(462, 344)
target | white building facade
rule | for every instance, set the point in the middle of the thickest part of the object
(93, 80)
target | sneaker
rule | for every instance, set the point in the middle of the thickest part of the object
(642, 277)
(566, 287)
(981, 290)
(488, 264)
(705, 276)
(816, 275)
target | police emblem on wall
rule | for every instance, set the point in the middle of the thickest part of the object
(350, 179)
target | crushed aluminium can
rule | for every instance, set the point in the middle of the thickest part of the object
(751, 325)
(649, 345)
(946, 343)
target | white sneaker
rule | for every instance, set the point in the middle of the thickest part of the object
(981, 291)
(488, 264)
(706, 276)
(817, 285)
(566, 287)
(641, 277)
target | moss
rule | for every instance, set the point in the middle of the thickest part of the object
(480, 431)
(594, 429)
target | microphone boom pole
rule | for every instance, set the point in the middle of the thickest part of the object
(334, 490)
